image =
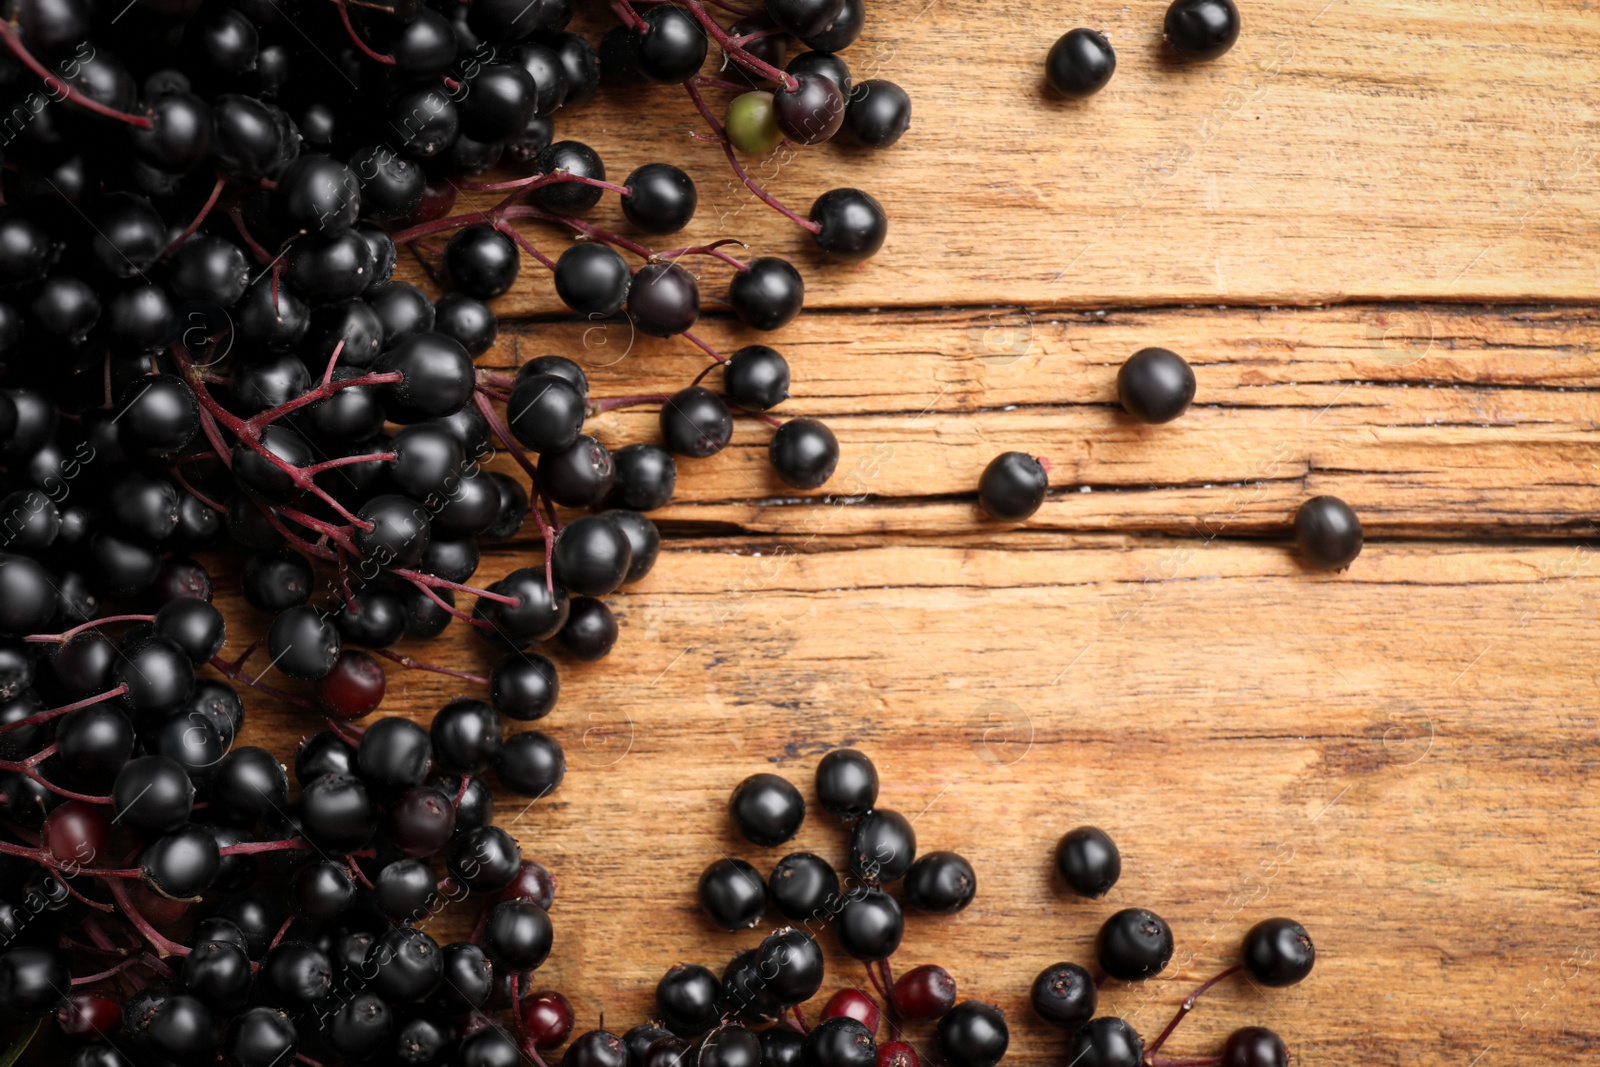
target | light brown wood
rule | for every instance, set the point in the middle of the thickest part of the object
(1343, 150)
(1397, 757)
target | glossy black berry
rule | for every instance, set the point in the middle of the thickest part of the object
(537, 615)
(1064, 995)
(1080, 63)
(1278, 952)
(573, 157)
(590, 631)
(1134, 944)
(782, 1047)
(1155, 385)
(545, 413)
(467, 321)
(1088, 861)
(1012, 486)
(767, 810)
(577, 476)
(768, 293)
(518, 935)
(194, 626)
(1106, 1042)
(756, 378)
(686, 998)
(33, 980)
(644, 541)
(247, 784)
(804, 453)
(481, 261)
(645, 477)
(592, 279)
(153, 793)
(524, 686)
(297, 974)
(870, 925)
(1201, 29)
(791, 962)
(336, 813)
(437, 377)
(877, 114)
(672, 46)
(940, 883)
(406, 965)
(972, 1034)
(664, 299)
(804, 887)
(531, 764)
(1328, 533)
(883, 846)
(303, 642)
(219, 973)
(847, 783)
(811, 112)
(696, 423)
(466, 736)
(853, 224)
(1254, 1046)
(839, 1042)
(732, 894)
(661, 198)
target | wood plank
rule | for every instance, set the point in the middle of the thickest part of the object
(1429, 419)
(1343, 150)
(1258, 740)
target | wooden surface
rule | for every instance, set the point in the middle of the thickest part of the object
(1402, 757)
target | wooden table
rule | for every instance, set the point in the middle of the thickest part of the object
(1371, 228)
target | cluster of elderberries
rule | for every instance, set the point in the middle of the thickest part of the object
(1136, 944)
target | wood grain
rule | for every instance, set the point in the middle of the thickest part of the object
(1429, 419)
(1398, 757)
(1343, 150)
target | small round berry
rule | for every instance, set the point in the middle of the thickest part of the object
(1065, 995)
(898, 1054)
(730, 1045)
(645, 477)
(804, 453)
(481, 261)
(923, 993)
(767, 294)
(686, 996)
(33, 980)
(1328, 533)
(546, 1018)
(1202, 29)
(672, 46)
(940, 883)
(1106, 1042)
(791, 962)
(767, 810)
(853, 224)
(1278, 952)
(592, 279)
(1155, 385)
(1088, 861)
(1134, 944)
(812, 111)
(1013, 486)
(883, 846)
(732, 894)
(877, 114)
(870, 925)
(973, 1034)
(782, 1047)
(661, 198)
(664, 299)
(1254, 1046)
(524, 686)
(751, 123)
(353, 688)
(847, 784)
(839, 1042)
(696, 423)
(757, 378)
(1080, 63)
(531, 764)
(802, 886)
(518, 935)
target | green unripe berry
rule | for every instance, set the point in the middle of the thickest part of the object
(752, 124)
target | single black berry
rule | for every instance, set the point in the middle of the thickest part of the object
(767, 810)
(1088, 861)
(1278, 952)
(1064, 995)
(1012, 486)
(1328, 533)
(1155, 385)
(1134, 944)
(1080, 63)
(1202, 29)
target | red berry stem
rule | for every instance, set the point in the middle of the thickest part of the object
(27, 769)
(362, 46)
(712, 249)
(523, 243)
(250, 242)
(628, 15)
(235, 672)
(101, 976)
(11, 38)
(707, 349)
(205, 209)
(1204, 1061)
(67, 635)
(277, 937)
(616, 402)
(1187, 1006)
(738, 53)
(52, 713)
(418, 665)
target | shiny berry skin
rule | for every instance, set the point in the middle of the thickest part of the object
(766, 809)
(518, 935)
(181, 865)
(1106, 1042)
(1080, 63)
(421, 820)
(802, 886)
(751, 123)
(842, 31)
(645, 477)
(1328, 533)
(1012, 487)
(882, 846)
(696, 423)
(597, 1048)
(1088, 861)
(671, 44)
(923, 993)
(322, 890)
(686, 997)
(1134, 944)
(854, 1004)
(877, 114)
(466, 736)
(577, 476)
(337, 813)
(804, 18)
(972, 1034)
(353, 688)
(468, 322)
(853, 224)
(592, 279)
(744, 991)
(870, 925)
(481, 261)
(1155, 385)
(296, 974)
(804, 453)
(781, 1047)
(272, 581)
(531, 764)
(812, 111)
(546, 1018)
(1254, 1046)
(730, 1045)
(940, 883)
(829, 65)
(33, 980)
(766, 295)
(839, 1042)
(524, 686)
(437, 377)
(1064, 995)
(791, 962)
(219, 973)
(847, 784)
(661, 198)
(664, 299)
(545, 413)
(591, 630)
(732, 894)
(757, 378)
(538, 614)
(569, 198)
(303, 643)
(153, 793)
(88, 1015)
(468, 979)
(1278, 952)
(159, 416)
(1201, 29)
(412, 965)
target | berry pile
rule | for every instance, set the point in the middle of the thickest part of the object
(1155, 385)
(1136, 944)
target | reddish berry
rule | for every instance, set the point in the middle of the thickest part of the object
(89, 1015)
(854, 1004)
(547, 1018)
(897, 1054)
(76, 832)
(353, 688)
(925, 992)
